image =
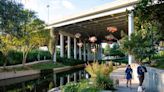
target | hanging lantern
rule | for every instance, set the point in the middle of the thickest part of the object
(112, 29)
(80, 44)
(110, 37)
(92, 39)
(93, 50)
(77, 35)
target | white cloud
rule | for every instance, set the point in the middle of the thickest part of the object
(67, 4)
(57, 9)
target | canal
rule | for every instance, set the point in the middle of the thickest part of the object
(42, 82)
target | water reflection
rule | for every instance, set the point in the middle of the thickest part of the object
(41, 83)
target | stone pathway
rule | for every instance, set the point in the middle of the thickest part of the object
(119, 74)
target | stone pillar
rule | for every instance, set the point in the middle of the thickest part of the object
(130, 31)
(61, 45)
(68, 46)
(88, 52)
(99, 52)
(74, 76)
(75, 48)
(80, 55)
(79, 75)
(61, 81)
(84, 51)
(54, 77)
(68, 78)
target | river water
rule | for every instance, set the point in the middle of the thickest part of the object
(42, 82)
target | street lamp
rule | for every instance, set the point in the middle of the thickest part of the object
(48, 13)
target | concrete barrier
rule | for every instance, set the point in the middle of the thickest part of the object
(154, 80)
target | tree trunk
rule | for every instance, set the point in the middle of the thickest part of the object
(5, 61)
(53, 41)
(24, 58)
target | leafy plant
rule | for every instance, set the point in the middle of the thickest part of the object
(70, 87)
(95, 69)
(82, 86)
(70, 62)
(142, 43)
(100, 74)
(104, 82)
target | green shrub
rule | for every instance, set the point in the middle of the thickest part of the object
(104, 82)
(70, 87)
(36, 55)
(82, 86)
(70, 62)
(32, 56)
(1, 58)
(14, 57)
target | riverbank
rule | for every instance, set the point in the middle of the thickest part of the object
(33, 71)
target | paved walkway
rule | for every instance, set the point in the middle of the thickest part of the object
(119, 74)
(20, 65)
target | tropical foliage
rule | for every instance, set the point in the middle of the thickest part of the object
(20, 29)
(82, 86)
(100, 74)
(5, 45)
(34, 36)
(99, 79)
(114, 51)
(142, 43)
(15, 57)
(148, 32)
(95, 69)
(12, 17)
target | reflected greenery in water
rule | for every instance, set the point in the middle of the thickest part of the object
(38, 83)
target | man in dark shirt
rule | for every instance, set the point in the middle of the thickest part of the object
(141, 73)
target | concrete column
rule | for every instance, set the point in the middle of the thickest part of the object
(75, 48)
(130, 31)
(61, 81)
(54, 77)
(74, 76)
(79, 75)
(88, 52)
(54, 56)
(68, 46)
(80, 55)
(61, 45)
(68, 78)
(84, 52)
(99, 52)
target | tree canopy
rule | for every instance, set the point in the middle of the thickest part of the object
(148, 32)
(20, 28)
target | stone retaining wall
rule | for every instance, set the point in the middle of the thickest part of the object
(12, 74)
(6, 75)
(154, 80)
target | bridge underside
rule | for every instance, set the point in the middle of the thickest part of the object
(98, 27)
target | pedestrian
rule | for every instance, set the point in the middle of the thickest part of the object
(141, 70)
(128, 73)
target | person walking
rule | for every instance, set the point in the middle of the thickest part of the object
(128, 73)
(141, 70)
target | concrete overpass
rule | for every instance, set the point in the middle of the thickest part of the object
(93, 22)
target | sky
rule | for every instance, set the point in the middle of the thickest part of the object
(60, 8)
